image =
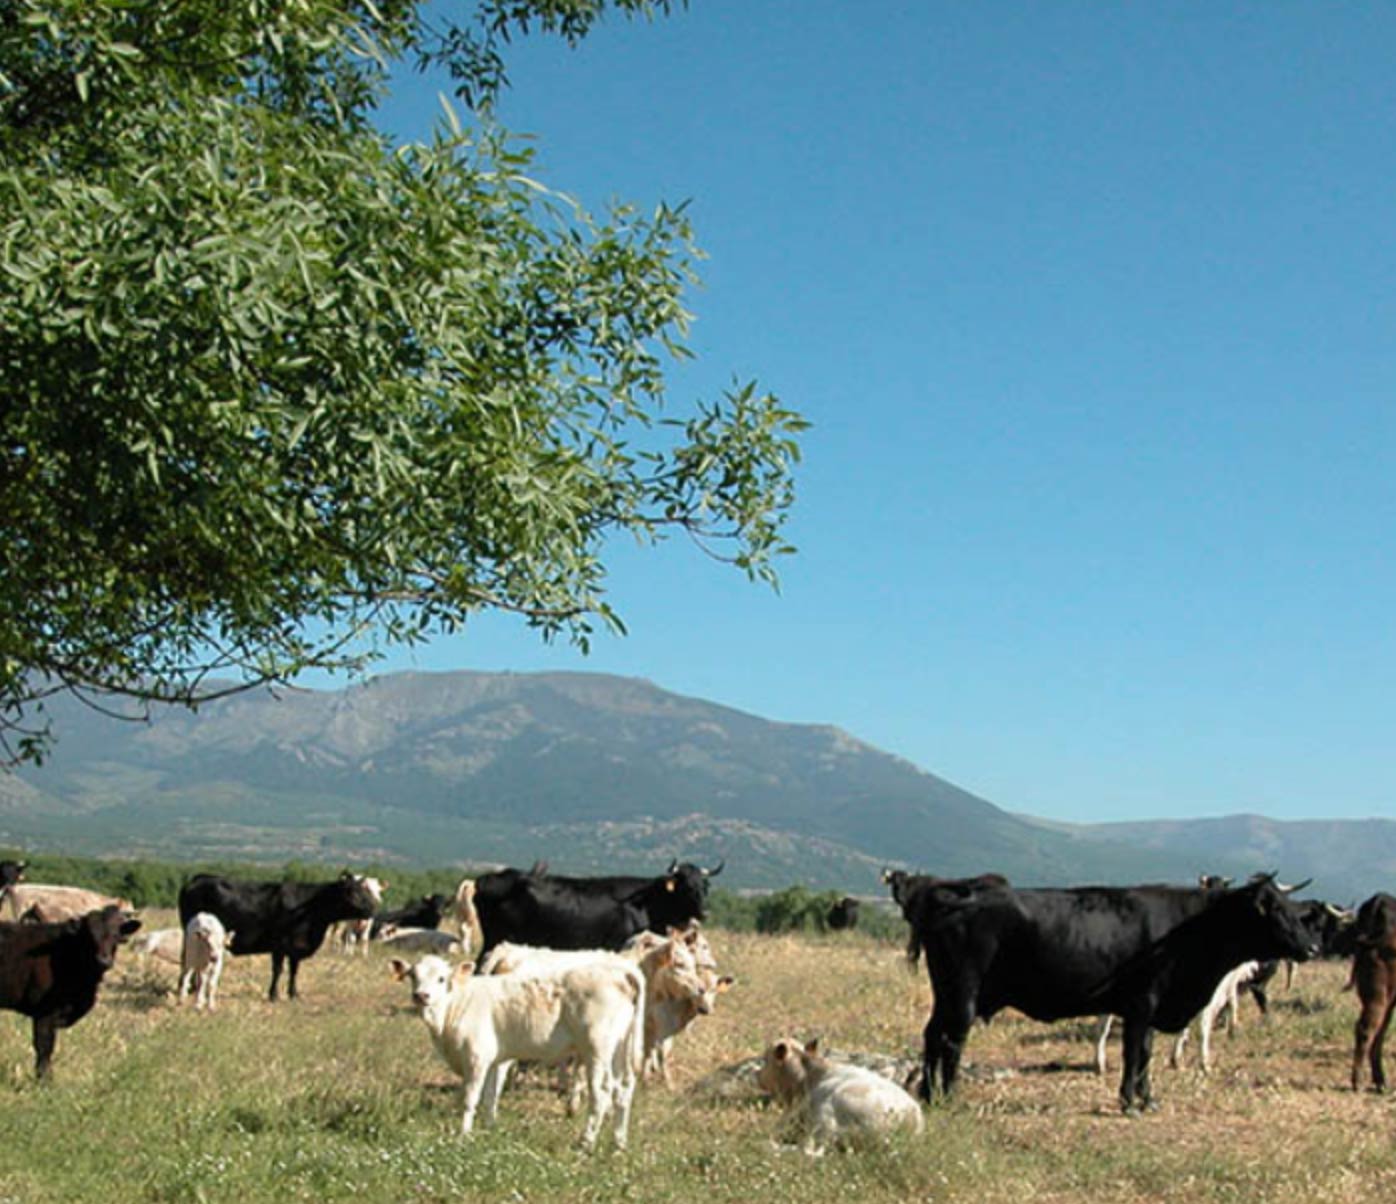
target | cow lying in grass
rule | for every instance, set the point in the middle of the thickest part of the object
(594, 1013)
(833, 1102)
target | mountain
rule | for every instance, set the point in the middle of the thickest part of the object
(590, 771)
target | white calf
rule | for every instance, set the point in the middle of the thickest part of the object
(592, 1012)
(205, 940)
(832, 1101)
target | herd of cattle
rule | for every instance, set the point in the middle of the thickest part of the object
(604, 973)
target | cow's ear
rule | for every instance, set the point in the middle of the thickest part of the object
(726, 983)
(129, 926)
(462, 972)
(399, 968)
(781, 1050)
(812, 1046)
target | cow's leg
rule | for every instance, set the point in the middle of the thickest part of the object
(1371, 990)
(959, 1020)
(477, 1076)
(1175, 1059)
(1379, 1039)
(291, 978)
(1135, 1093)
(599, 1086)
(623, 1079)
(276, 962)
(494, 1088)
(45, 1035)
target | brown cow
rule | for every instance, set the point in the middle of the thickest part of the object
(50, 972)
(1374, 975)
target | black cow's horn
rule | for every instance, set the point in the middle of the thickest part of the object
(1289, 890)
(713, 873)
(673, 866)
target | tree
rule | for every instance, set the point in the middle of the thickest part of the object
(273, 390)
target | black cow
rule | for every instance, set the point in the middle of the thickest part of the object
(580, 913)
(843, 914)
(285, 919)
(1151, 954)
(50, 972)
(425, 912)
(11, 874)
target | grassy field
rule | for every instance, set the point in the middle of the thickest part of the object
(341, 1097)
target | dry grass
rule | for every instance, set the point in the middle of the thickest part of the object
(340, 1096)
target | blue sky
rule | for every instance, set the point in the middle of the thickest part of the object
(1091, 309)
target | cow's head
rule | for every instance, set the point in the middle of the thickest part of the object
(431, 980)
(784, 1072)
(103, 931)
(352, 899)
(679, 896)
(1270, 920)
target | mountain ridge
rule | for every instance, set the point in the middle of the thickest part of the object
(593, 772)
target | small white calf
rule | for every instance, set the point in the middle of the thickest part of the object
(592, 1012)
(205, 940)
(421, 940)
(832, 1101)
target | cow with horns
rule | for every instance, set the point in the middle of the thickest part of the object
(579, 913)
(1152, 954)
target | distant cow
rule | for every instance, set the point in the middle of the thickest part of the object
(426, 912)
(420, 940)
(580, 913)
(594, 1013)
(1374, 975)
(355, 934)
(165, 943)
(286, 919)
(832, 1102)
(1151, 954)
(59, 902)
(201, 965)
(11, 874)
(50, 971)
(843, 914)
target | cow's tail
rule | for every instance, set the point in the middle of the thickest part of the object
(635, 1036)
(472, 934)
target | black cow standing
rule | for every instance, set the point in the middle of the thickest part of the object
(50, 971)
(1151, 954)
(286, 919)
(843, 914)
(580, 913)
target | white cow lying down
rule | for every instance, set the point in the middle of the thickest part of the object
(832, 1101)
(595, 1013)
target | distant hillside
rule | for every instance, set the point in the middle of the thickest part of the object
(587, 770)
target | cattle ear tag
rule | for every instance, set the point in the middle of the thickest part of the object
(670, 884)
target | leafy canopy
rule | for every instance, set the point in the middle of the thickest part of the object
(271, 386)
